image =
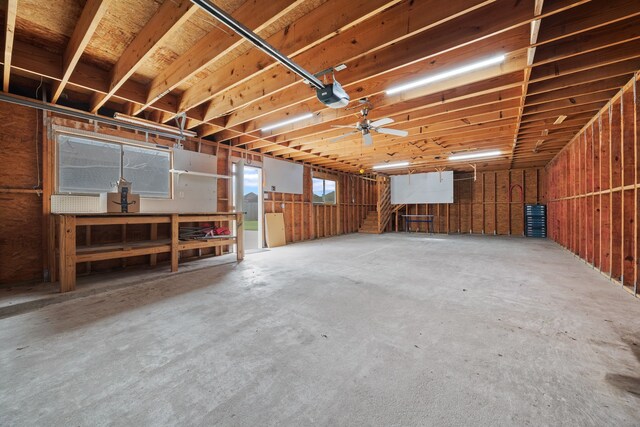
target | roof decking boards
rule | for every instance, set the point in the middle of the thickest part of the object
(157, 59)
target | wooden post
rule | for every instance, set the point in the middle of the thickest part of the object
(67, 252)
(175, 233)
(153, 258)
(240, 236)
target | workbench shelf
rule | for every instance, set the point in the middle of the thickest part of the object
(69, 253)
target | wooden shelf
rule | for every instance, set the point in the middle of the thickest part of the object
(199, 244)
(122, 250)
(69, 255)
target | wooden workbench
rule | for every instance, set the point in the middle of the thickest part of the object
(69, 254)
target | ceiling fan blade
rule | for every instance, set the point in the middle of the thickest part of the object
(338, 138)
(381, 122)
(367, 139)
(395, 132)
(342, 126)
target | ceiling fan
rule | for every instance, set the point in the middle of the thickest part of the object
(366, 126)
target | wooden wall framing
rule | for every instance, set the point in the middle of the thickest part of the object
(27, 232)
(492, 204)
(593, 190)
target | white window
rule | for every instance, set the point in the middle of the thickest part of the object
(324, 191)
(91, 166)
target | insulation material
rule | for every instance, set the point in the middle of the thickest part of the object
(274, 230)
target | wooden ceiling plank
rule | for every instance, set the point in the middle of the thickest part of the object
(170, 16)
(91, 15)
(599, 38)
(488, 128)
(368, 64)
(500, 87)
(449, 120)
(566, 93)
(11, 13)
(215, 45)
(624, 68)
(569, 102)
(591, 15)
(271, 110)
(483, 103)
(587, 61)
(355, 44)
(324, 20)
(569, 111)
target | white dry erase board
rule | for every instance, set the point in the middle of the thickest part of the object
(432, 187)
(282, 176)
(192, 193)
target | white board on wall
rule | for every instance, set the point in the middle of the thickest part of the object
(432, 187)
(282, 176)
(193, 161)
(192, 193)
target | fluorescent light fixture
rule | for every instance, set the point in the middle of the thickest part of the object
(447, 74)
(287, 122)
(153, 125)
(391, 165)
(478, 155)
(561, 118)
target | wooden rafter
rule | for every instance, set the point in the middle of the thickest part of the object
(531, 52)
(171, 15)
(90, 17)
(565, 57)
(10, 29)
(214, 46)
(396, 21)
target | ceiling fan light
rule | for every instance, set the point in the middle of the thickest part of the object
(447, 74)
(478, 155)
(391, 165)
(287, 122)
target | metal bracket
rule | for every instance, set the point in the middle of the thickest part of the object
(330, 70)
(475, 171)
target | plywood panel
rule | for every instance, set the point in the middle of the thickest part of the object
(21, 224)
(274, 230)
(20, 238)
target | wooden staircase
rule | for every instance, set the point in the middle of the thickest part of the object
(370, 224)
(376, 221)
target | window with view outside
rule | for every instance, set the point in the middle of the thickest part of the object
(324, 191)
(89, 166)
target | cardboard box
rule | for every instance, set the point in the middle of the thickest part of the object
(115, 205)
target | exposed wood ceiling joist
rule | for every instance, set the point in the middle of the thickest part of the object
(563, 57)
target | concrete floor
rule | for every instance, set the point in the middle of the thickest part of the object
(357, 330)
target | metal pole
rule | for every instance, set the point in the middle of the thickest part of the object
(27, 102)
(260, 43)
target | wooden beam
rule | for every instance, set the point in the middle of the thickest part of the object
(434, 34)
(89, 19)
(585, 17)
(9, 33)
(400, 23)
(270, 110)
(587, 61)
(170, 16)
(214, 46)
(596, 39)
